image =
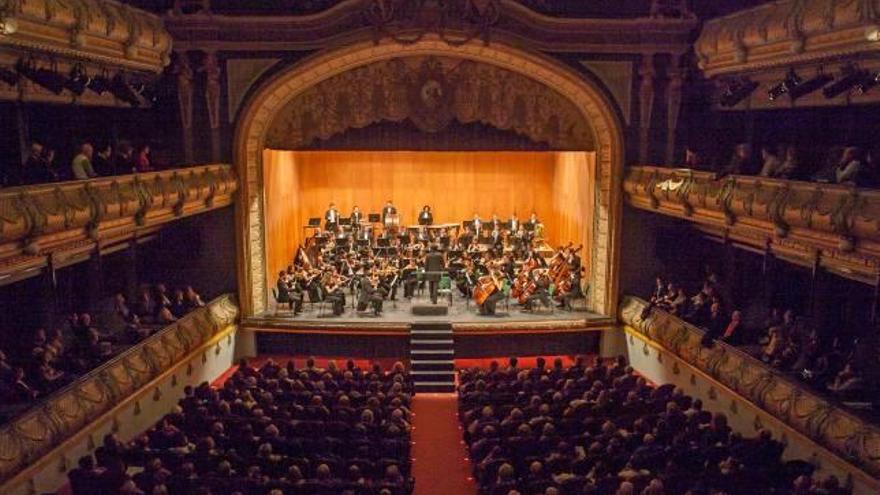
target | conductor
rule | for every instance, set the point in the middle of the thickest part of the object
(426, 217)
(434, 267)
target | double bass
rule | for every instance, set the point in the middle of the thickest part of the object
(486, 286)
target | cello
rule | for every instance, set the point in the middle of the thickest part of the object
(486, 286)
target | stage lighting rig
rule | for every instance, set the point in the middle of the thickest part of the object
(123, 91)
(10, 77)
(852, 76)
(810, 85)
(45, 77)
(737, 91)
(791, 81)
(78, 80)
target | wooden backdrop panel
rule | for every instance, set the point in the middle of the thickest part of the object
(300, 184)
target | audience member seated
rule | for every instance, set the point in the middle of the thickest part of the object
(51, 360)
(277, 430)
(603, 430)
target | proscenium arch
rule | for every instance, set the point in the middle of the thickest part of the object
(267, 101)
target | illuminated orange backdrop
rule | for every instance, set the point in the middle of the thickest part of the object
(298, 185)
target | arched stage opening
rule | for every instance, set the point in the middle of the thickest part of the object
(429, 83)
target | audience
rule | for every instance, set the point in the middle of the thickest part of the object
(56, 358)
(828, 361)
(604, 430)
(273, 430)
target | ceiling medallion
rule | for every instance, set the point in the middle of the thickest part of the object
(456, 21)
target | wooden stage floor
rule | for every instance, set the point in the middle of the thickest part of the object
(397, 318)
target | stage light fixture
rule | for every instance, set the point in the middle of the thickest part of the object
(45, 77)
(9, 77)
(78, 80)
(852, 76)
(869, 81)
(791, 81)
(123, 91)
(737, 91)
(810, 85)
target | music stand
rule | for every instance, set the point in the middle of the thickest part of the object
(382, 242)
(529, 226)
(344, 221)
(374, 218)
(315, 222)
(468, 224)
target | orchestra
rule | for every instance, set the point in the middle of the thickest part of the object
(485, 262)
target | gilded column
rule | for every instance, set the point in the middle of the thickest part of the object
(646, 104)
(211, 68)
(673, 105)
(185, 103)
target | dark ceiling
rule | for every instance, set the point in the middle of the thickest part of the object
(705, 9)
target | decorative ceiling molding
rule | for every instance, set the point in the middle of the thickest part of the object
(356, 19)
(430, 92)
(100, 31)
(786, 33)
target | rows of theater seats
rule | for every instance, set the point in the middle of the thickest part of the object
(830, 360)
(276, 430)
(602, 429)
(51, 359)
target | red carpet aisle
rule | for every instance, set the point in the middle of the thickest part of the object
(439, 456)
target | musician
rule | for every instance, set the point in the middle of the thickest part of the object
(491, 283)
(467, 277)
(434, 266)
(495, 222)
(286, 292)
(513, 223)
(542, 291)
(356, 217)
(496, 238)
(532, 222)
(331, 218)
(426, 217)
(370, 295)
(388, 209)
(409, 275)
(477, 226)
(576, 291)
(335, 293)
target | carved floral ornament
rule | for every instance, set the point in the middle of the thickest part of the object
(431, 93)
(788, 31)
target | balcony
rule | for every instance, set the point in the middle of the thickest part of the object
(44, 225)
(70, 412)
(833, 226)
(819, 419)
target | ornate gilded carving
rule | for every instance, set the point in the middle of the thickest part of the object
(102, 31)
(777, 33)
(813, 416)
(61, 415)
(430, 92)
(840, 222)
(43, 218)
(456, 22)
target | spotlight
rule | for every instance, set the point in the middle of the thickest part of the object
(851, 78)
(810, 85)
(792, 80)
(737, 91)
(867, 82)
(78, 80)
(9, 77)
(99, 84)
(124, 92)
(47, 78)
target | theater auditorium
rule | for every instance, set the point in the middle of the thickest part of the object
(439, 247)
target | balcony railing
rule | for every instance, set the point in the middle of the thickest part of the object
(793, 218)
(41, 219)
(62, 414)
(818, 418)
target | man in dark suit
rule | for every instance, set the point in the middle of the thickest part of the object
(426, 217)
(388, 209)
(331, 218)
(477, 226)
(513, 224)
(434, 266)
(356, 216)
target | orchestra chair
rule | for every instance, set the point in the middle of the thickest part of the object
(277, 303)
(505, 289)
(444, 289)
